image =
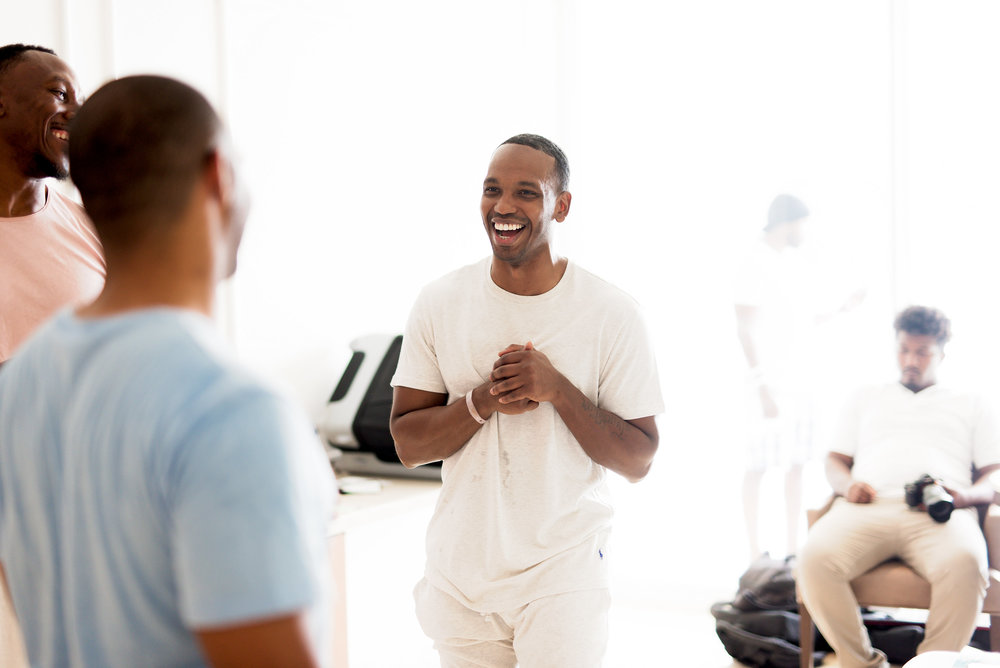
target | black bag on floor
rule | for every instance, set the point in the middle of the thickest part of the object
(898, 638)
(898, 643)
(760, 628)
(767, 585)
(761, 638)
(755, 650)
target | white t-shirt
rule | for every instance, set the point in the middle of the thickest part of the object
(895, 436)
(780, 286)
(524, 511)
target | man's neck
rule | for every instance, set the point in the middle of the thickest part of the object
(121, 297)
(20, 196)
(776, 240)
(912, 387)
(157, 278)
(529, 279)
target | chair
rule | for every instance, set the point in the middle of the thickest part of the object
(893, 584)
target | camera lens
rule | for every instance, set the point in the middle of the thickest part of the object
(939, 502)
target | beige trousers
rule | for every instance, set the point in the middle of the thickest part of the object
(853, 538)
(551, 632)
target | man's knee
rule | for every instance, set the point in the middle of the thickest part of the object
(818, 560)
(961, 569)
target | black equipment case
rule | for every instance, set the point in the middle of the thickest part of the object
(356, 419)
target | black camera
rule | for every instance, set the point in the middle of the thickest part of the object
(927, 491)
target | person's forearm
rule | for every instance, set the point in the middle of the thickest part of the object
(839, 476)
(746, 317)
(280, 641)
(608, 439)
(435, 433)
(981, 493)
(749, 346)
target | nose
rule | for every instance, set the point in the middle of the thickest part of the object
(504, 205)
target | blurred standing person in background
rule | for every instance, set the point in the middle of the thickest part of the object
(778, 307)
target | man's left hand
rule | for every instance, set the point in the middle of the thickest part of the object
(961, 498)
(521, 373)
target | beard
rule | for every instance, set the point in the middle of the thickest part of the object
(42, 167)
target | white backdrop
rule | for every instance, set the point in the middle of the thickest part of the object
(366, 128)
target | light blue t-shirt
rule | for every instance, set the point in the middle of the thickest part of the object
(150, 486)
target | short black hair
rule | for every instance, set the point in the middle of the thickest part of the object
(924, 321)
(11, 53)
(548, 147)
(138, 146)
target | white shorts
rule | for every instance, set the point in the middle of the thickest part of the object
(551, 632)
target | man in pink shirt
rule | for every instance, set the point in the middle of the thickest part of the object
(50, 256)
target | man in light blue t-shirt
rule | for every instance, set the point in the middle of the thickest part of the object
(159, 506)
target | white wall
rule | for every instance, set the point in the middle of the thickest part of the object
(366, 127)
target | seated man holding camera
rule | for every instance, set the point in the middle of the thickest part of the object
(890, 437)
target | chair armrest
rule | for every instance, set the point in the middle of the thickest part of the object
(991, 529)
(813, 514)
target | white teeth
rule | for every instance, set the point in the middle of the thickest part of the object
(61, 134)
(507, 227)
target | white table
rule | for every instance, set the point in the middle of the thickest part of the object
(398, 496)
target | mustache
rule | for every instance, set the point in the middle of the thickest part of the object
(910, 369)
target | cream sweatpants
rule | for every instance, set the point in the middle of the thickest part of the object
(551, 632)
(853, 538)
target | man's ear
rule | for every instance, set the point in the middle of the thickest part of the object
(218, 175)
(562, 206)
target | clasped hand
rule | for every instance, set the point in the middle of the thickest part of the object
(522, 378)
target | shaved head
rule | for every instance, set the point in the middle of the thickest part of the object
(138, 146)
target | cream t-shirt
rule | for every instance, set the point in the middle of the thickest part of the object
(524, 512)
(48, 260)
(896, 435)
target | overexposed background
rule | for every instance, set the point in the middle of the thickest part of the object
(366, 127)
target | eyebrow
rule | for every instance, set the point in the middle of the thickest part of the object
(520, 184)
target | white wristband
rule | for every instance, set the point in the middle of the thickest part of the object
(472, 409)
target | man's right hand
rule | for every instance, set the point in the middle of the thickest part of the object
(860, 492)
(511, 408)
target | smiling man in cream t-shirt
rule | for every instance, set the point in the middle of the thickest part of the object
(530, 378)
